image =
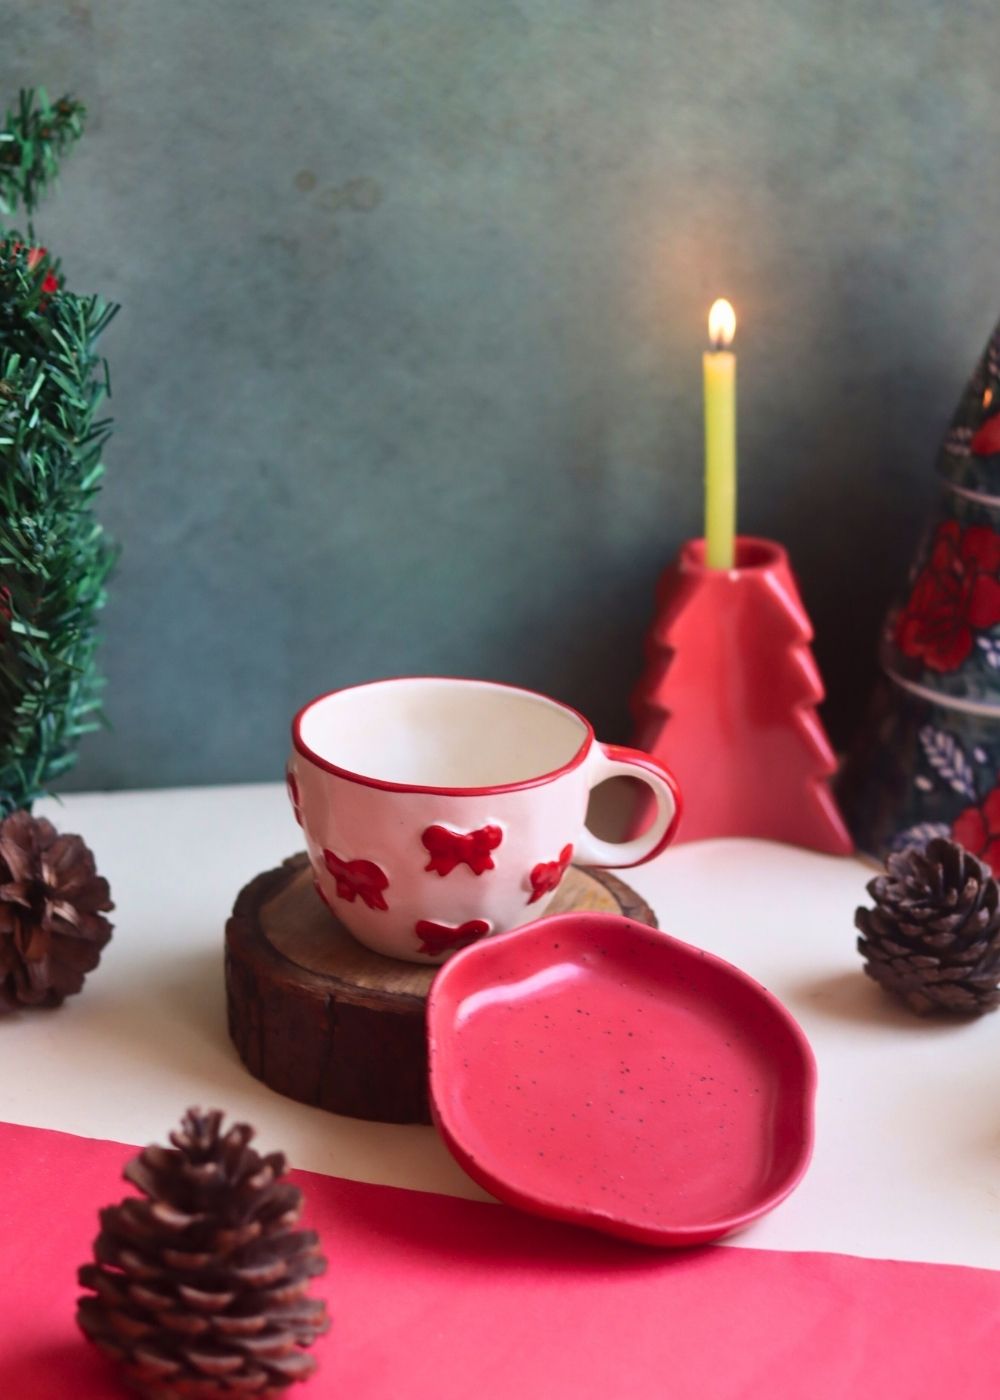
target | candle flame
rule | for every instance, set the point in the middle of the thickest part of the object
(721, 324)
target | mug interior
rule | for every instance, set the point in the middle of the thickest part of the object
(430, 732)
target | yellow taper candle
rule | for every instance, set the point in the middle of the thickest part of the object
(719, 365)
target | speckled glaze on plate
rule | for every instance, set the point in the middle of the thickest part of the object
(591, 1069)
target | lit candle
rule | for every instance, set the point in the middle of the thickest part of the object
(719, 365)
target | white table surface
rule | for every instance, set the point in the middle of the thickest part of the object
(907, 1161)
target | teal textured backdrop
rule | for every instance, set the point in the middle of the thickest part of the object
(407, 374)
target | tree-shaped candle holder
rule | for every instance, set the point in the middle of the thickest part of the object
(729, 700)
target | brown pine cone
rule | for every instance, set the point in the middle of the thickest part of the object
(933, 937)
(201, 1288)
(52, 903)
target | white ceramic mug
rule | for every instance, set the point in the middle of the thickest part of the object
(437, 811)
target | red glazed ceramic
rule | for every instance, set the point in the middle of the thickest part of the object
(729, 700)
(438, 811)
(595, 1070)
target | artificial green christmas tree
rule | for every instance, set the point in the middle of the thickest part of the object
(54, 555)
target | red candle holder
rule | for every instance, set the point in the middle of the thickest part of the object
(728, 699)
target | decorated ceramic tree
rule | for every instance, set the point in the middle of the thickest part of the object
(54, 560)
(927, 762)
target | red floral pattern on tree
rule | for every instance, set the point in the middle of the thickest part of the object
(986, 440)
(548, 874)
(293, 793)
(451, 848)
(358, 877)
(956, 593)
(438, 938)
(978, 830)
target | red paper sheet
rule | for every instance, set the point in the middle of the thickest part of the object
(454, 1300)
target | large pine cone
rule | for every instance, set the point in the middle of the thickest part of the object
(201, 1288)
(52, 903)
(933, 937)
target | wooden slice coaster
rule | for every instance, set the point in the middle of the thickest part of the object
(321, 1018)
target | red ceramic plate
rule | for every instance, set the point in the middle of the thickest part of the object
(592, 1069)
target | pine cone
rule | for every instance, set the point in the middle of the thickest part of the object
(52, 927)
(933, 937)
(201, 1288)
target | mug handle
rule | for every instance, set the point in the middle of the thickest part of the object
(612, 761)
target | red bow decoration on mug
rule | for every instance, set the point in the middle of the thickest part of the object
(358, 877)
(438, 938)
(293, 793)
(450, 848)
(548, 874)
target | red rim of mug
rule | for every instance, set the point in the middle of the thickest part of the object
(387, 785)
